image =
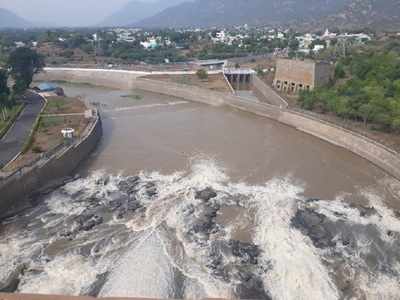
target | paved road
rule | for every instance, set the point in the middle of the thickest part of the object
(11, 144)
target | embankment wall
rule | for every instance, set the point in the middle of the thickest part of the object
(16, 188)
(376, 153)
(266, 93)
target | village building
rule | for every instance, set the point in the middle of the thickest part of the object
(292, 76)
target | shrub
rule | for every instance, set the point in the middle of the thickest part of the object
(202, 74)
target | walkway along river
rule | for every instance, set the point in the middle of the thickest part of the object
(185, 200)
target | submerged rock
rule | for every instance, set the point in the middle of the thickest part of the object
(251, 287)
(206, 194)
(366, 211)
(88, 222)
(235, 262)
(129, 185)
(10, 283)
(247, 252)
(95, 288)
(309, 223)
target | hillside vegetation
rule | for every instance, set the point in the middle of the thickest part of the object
(367, 89)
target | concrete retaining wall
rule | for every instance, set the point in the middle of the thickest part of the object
(266, 93)
(15, 189)
(376, 153)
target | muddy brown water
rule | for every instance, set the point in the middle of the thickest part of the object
(165, 234)
(144, 132)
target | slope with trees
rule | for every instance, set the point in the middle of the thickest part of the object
(367, 90)
(21, 65)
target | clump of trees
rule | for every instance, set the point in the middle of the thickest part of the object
(21, 65)
(369, 91)
(6, 101)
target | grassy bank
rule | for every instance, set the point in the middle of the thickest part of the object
(13, 114)
(59, 113)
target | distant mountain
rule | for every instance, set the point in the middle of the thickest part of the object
(9, 19)
(136, 10)
(380, 14)
(263, 12)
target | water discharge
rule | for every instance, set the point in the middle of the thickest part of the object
(207, 202)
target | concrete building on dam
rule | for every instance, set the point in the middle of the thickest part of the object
(293, 76)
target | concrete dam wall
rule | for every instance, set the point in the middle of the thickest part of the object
(376, 153)
(16, 188)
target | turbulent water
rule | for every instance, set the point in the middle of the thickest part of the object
(174, 236)
(227, 214)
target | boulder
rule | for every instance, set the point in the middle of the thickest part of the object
(88, 222)
(10, 282)
(129, 185)
(247, 252)
(206, 194)
(311, 223)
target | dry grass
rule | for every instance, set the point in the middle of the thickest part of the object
(64, 105)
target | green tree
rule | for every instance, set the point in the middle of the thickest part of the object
(4, 94)
(339, 71)
(294, 44)
(24, 63)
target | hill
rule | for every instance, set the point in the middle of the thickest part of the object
(9, 19)
(206, 13)
(136, 10)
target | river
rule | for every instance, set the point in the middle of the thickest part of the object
(185, 200)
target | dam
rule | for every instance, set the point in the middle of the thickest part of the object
(187, 200)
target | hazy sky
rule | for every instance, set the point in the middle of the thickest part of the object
(64, 12)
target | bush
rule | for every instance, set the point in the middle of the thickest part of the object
(202, 74)
(37, 149)
(339, 71)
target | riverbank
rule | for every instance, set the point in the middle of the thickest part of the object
(391, 140)
(378, 154)
(47, 169)
(59, 113)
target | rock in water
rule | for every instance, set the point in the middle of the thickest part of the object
(206, 194)
(88, 222)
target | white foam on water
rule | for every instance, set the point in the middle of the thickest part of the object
(297, 270)
(63, 205)
(385, 219)
(383, 287)
(14, 249)
(148, 267)
(144, 271)
(97, 184)
(65, 275)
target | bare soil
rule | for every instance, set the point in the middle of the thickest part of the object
(215, 82)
